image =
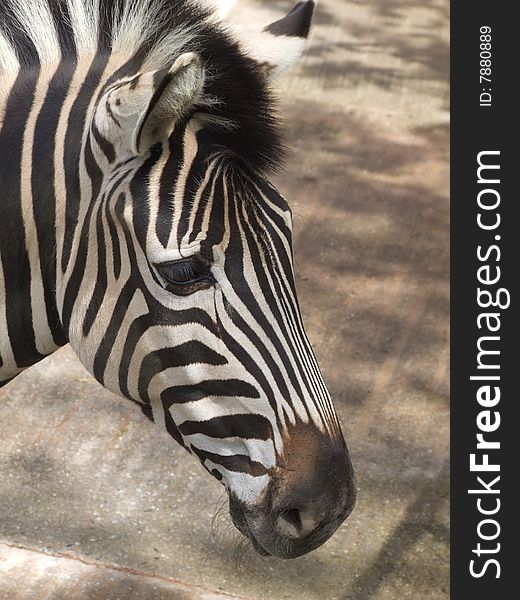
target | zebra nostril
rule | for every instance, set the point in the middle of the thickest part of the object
(293, 517)
(289, 523)
(294, 522)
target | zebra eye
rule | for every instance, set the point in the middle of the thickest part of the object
(185, 273)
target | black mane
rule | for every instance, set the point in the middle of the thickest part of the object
(233, 79)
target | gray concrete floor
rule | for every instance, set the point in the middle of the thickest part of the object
(97, 503)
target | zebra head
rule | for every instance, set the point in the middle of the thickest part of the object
(182, 294)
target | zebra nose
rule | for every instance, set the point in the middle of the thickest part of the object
(311, 504)
(295, 522)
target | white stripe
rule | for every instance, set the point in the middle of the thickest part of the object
(9, 64)
(36, 20)
(42, 333)
(84, 19)
(179, 197)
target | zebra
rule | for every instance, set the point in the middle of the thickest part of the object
(138, 224)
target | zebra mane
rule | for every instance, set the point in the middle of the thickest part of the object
(149, 35)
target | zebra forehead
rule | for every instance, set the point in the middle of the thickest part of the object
(189, 178)
(148, 35)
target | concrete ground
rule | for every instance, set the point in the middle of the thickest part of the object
(97, 503)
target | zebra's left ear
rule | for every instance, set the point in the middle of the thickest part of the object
(281, 44)
(135, 114)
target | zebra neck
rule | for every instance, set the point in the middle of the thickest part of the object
(32, 165)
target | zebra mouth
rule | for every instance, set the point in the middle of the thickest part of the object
(239, 519)
(291, 549)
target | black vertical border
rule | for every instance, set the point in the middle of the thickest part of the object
(474, 129)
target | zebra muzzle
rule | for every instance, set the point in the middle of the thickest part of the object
(299, 512)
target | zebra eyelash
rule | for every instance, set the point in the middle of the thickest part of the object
(186, 275)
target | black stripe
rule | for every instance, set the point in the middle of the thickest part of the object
(108, 11)
(140, 325)
(59, 10)
(239, 463)
(139, 189)
(216, 229)
(114, 235)
(205, 199)
(73, 142)
(179, 394)
(135, 332)
(43, 189)
(172, 429)
(111, 332)
(105, 145)
(178, 356)
(78, 270)
(13, 252)
(23, 45)
(100, 288)
(243, 426)
(169, 179)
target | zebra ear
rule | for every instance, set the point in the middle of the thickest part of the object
(281, 44)
(141, 111)
(175, 91)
